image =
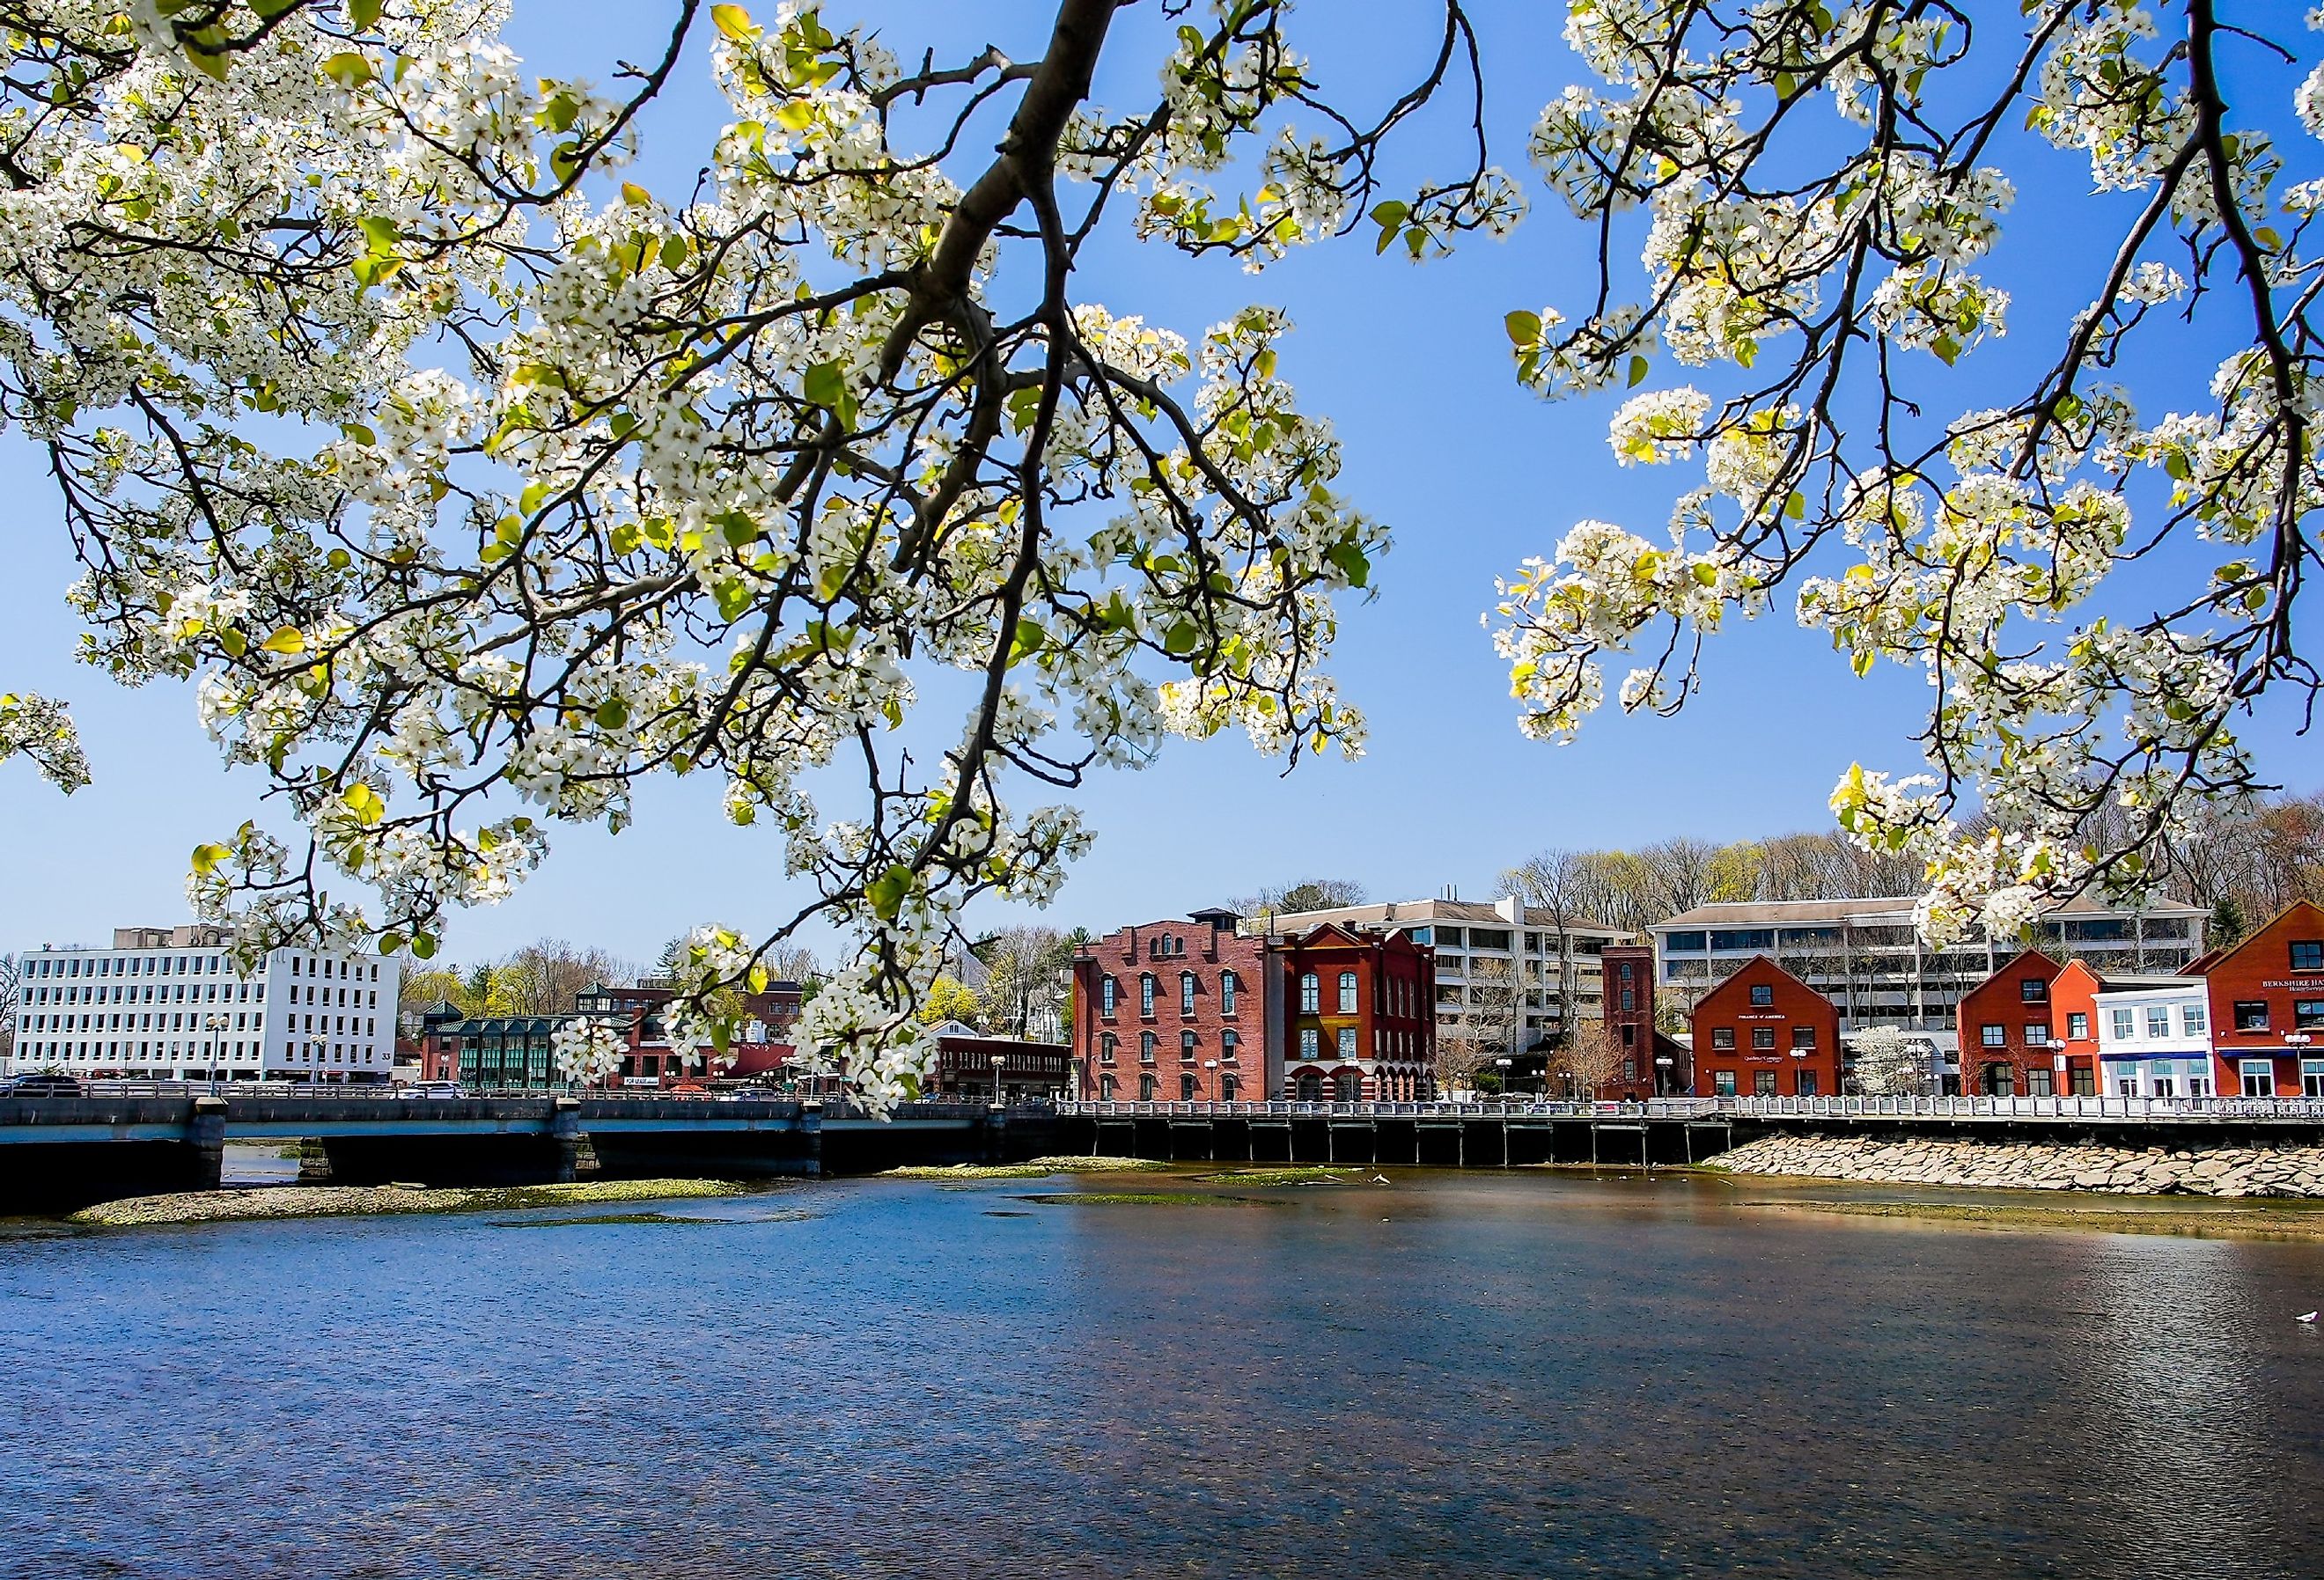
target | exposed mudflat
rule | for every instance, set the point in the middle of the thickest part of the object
(333, 1201)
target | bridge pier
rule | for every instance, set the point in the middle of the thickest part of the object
(565, 1133)
(206, 1142)
(811, 1134)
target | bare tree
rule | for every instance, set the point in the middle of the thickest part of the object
(1559, 883)
(1484, 1025)
(544, 978)
(11, 991)
(1306, 895)
(1024, 990)
(1586, 1059)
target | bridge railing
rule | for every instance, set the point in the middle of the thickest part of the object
(2094, 1108)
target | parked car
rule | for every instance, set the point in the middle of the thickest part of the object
(40, 1084)
(420, 1089)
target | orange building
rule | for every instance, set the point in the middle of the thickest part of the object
(1765, 1033)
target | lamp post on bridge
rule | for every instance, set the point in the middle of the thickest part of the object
(997, 1060)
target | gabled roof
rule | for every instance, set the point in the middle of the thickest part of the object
(2302, 909)
(1740, 972)
(1891, 909)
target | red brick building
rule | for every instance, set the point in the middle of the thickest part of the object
(2006, 1029)
(502, 1052)
(2267, 1008)
(1194, 1011)
(1176, 1012)
(2074, 1029)
(1765, 1033)
(1360, 1022)
(1653, 1065)
(963, 1067)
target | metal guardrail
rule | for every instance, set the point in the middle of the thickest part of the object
(1938, 1108)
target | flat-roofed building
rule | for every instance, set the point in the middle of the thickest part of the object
(168, 1004)
(1497, 961)
(1867, 956)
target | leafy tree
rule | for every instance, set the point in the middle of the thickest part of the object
(949, 999)
(708, 485)
(1306, 895)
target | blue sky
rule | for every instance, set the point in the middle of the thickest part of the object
(1472, 474)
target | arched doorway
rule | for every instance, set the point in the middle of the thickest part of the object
(1310, 1087)
(1347, 1086)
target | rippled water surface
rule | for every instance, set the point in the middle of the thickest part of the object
(1456, 1375)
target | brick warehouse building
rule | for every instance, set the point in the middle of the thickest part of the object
(1194, 1011)
(2267, 1008)
(2007, 1023)
(1765, 1033)
(1360, 1018)
(1653, 1065)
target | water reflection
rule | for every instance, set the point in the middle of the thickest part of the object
(1453, 1375)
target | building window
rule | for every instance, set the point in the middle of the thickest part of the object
(2038, 1083)
(1630, 995)
(2307, 1014)
(1629, 1070)
(1186, 1089)
(1763, 1083)
(2078, 1025)
(1311, 993)
(2033, 990)
(1107, 1046)
(1226, 993)
(2124, 1024)
(1804, 1037)
(1629, 1036)
(1722, 1037)
(2083, 1080)
(1146, 995)
(1309, 1043)
(1763, 1037)
(1185, 992)
(2308, 954)
(1763, 995)
(2197, 1017)
(2037, 1035)
(1722, 1082)
(1347, 1042)
(1347, 992)
(1107, 991)
(1145, 1047)
(1229, 1043)
(1228, 1089)
(2251, 1014)
(1993, 1036)
(1105, 1089)
(1805, 1083)
(2258, 1077)
(1186, 1046)
(2158, 1020)
(1146, 1089)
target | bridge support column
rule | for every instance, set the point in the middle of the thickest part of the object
(206, 1139)
(996, 1135)
(564, 1130)
(811, 1135)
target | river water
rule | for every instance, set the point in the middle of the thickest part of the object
(1466, 1374)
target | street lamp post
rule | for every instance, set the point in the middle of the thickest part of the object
(214, 1025)
(997, 1060)
(1504, 1066)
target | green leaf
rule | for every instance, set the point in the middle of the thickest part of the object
(734, 23)
(886, 893)
(1524, 327)
(1180, 639)
(795, 114)
(365, 803)
(613, 713)
(287, 640)
(423, 945)
(347, 68)
(824, 384)
(208, 856)
(1637, 372)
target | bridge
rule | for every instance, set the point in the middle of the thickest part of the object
(1665, 1132)
(146, 1137)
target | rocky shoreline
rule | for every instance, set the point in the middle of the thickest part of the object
(2260, 1171)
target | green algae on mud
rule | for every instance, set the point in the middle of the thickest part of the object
(2298, 1220)
(1068, 1164)
(1300, 1175)
(333, 1201)
(961, 1171)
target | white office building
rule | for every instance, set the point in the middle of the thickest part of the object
(166, 1004)
(1501, 959)
(2154, 1036)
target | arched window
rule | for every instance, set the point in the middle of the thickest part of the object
(1107, 992)
(1146, 1089)
(1105, 1089)
(1310, 993)
(1185, 992)
(1145, 1047)
(1146, 995)
(1227, 986)
(1107, 1046)
(1186, 1089)
(1348, 1087)
(1347, 992)
(1310, 1087)
(1228, 1087)
(1186, 1046)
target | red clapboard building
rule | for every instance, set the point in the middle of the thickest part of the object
(1765, 1033)
(2267, 1008)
